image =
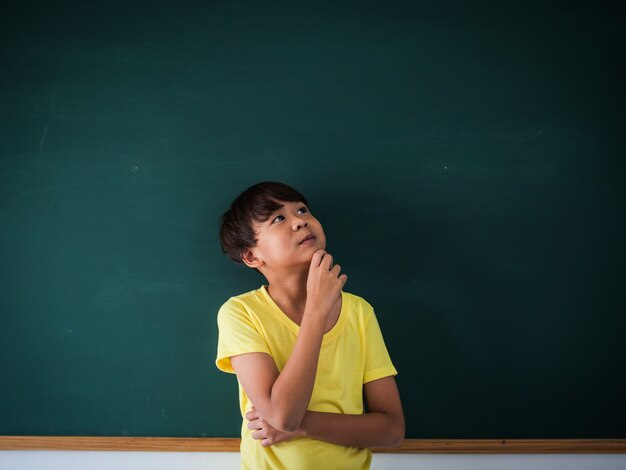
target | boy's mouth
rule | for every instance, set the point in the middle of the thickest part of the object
(308, 237)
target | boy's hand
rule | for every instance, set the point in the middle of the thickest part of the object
(324, 283)
(264, 432)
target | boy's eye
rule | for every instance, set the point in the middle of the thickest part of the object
(301, 209)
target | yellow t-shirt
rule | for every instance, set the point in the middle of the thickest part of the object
(353, 353)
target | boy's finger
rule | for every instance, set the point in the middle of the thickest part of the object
(252, 415)
(327, 261)
(255, 424)
(317, 258)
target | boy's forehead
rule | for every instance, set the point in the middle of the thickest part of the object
(286, 203)
(282, 204)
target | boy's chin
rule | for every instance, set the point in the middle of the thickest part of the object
(314, 249)
(310, 258)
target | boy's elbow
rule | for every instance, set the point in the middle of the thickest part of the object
(394, 440)
(283, 418)
(287, 423)
(396, 434)
(398, 437)
(289, 427)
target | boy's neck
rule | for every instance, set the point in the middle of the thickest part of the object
(289, 290)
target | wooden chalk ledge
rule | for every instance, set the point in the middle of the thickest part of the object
(409, 446)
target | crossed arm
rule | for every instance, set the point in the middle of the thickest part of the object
(381, 426)
(281, 398)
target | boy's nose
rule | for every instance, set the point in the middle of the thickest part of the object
(299, 224)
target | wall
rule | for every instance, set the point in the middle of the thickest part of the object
(51, 460)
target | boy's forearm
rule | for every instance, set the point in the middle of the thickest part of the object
(286, 398)
(367, 430)
(291, 392)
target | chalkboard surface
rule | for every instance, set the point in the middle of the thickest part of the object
(466, 160)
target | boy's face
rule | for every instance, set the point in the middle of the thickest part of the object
(287, 239)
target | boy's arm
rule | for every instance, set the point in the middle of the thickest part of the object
(381, 426)
(282, 397)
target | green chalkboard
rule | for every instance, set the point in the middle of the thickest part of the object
(466, 160)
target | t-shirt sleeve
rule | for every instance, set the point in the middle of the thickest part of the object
(377, 361)
(237, 334)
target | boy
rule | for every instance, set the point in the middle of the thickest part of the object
(305, 353)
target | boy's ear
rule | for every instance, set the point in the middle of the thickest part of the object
(249, 259)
